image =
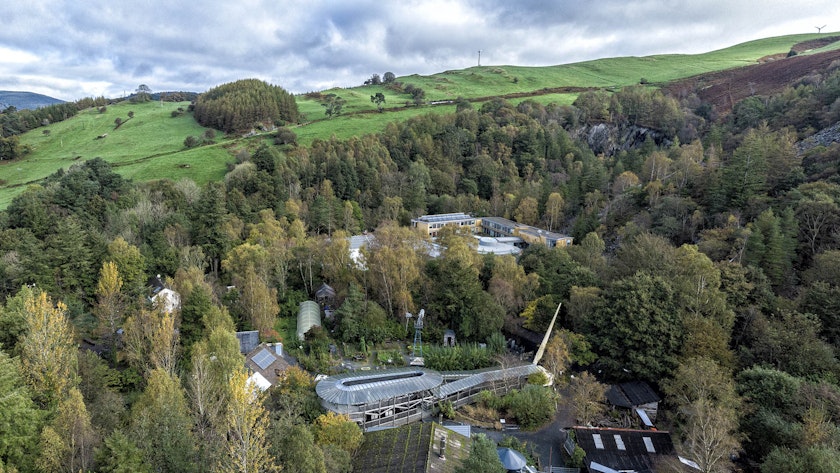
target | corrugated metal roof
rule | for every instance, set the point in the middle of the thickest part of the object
(359, 389)
(486, 376)
(309, 315)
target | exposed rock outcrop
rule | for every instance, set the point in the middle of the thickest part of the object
(607, 139)
(824, 137)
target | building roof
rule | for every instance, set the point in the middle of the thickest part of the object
(309, 315)
(268, 360)
(485, 376)
(501, 221)
(167, 299)
(325, 291)
(632, 394)
(625, 449)
(496, 246)
(259, 380)
(443, 217)
(412, 448)
(354, 389)
(156, 284)
(511, 459)
(538, 232)
(248, 341)
(357, 242)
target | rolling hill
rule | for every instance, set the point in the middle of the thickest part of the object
(151, 145)
(25, 100)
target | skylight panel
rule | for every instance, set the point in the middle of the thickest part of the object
(619, 442)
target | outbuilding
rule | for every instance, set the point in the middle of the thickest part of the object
(309, 315)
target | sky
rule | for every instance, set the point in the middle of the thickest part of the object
(70, 49)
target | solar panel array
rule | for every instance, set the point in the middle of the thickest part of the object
(264, 359)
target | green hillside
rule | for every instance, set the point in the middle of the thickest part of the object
(150, 146)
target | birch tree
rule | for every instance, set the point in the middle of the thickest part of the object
(247, 421)
(109, 307)
(67, 444)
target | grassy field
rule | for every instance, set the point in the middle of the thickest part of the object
(150, 146)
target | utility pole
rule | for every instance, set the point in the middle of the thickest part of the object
(479, 58)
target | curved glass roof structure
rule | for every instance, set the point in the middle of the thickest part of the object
(358, 389)
(485, 376)
(309, 315)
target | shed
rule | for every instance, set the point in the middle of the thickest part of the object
(309, 315)
(325, 295)
(635, 395)
(449, 338)
(248, 341)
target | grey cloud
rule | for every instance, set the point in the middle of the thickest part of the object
(104, 46)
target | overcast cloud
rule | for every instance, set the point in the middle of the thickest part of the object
(73, 49)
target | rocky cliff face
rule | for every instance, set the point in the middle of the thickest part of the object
(824, 137)
(607, 139)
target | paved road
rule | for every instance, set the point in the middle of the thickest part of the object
(547, 442)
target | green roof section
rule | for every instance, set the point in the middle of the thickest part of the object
(309, 315)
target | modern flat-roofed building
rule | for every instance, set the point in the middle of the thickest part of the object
(499, 227)
(502, 227)
(533, 235)
(431, 224)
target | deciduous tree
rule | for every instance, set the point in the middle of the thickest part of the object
(587, 397)
(259, 303)
(707, 406)
(67, 443)
(339, 430)
(379, 100)
(109, 308)
(394, 266)
(294, 447)
(246, 419)
(48, 350)
(151, 341)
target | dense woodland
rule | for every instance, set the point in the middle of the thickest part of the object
(243, 105)
(706, 261)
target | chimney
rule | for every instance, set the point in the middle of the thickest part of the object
(278, 348)
(443, 447)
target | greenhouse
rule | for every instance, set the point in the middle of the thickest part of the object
(309, 315)
(401, 396)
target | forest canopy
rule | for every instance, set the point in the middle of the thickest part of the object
(245, 104)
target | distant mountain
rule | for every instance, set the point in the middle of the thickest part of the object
(25, 100)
